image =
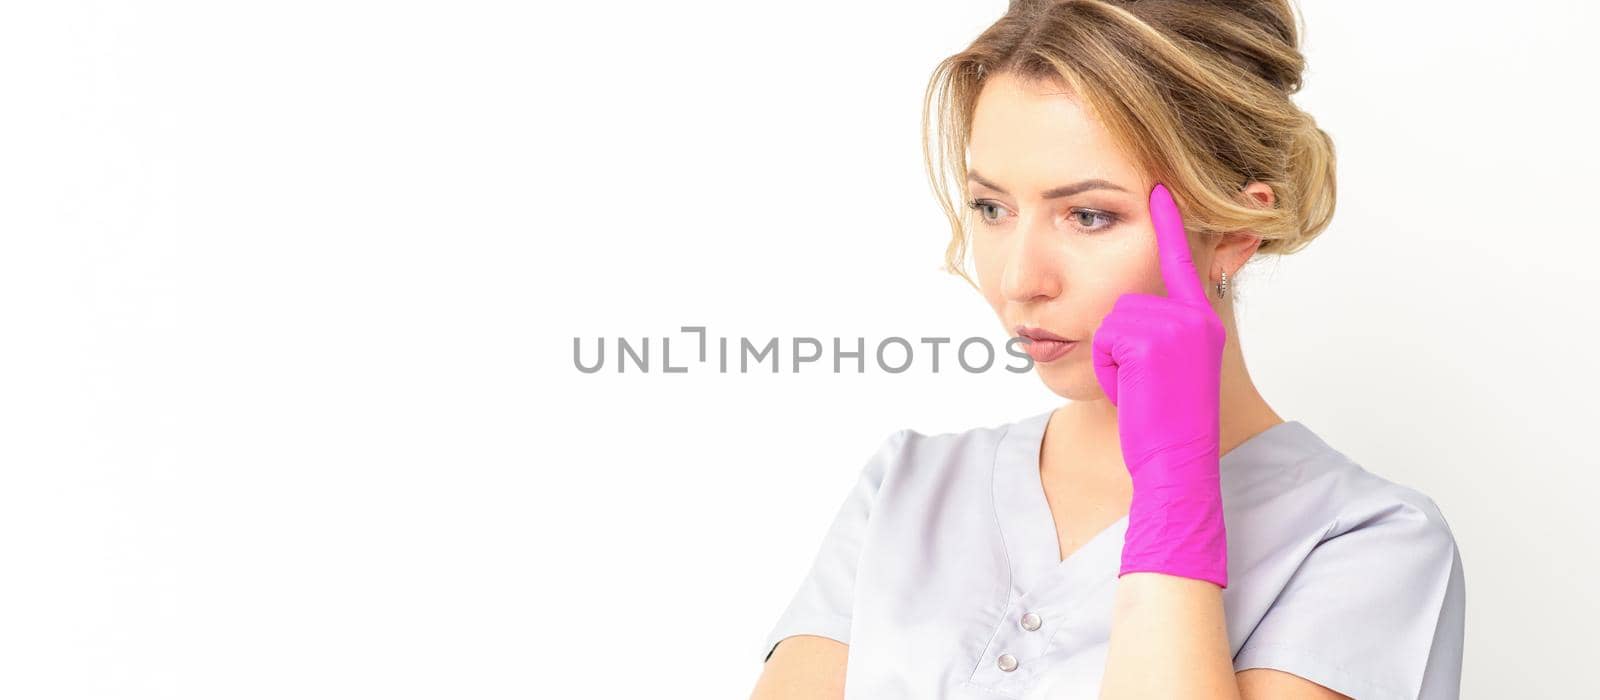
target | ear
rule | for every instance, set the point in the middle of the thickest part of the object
(1262, 193)
(1234, 248)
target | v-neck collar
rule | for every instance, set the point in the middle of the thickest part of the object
(1028, 528)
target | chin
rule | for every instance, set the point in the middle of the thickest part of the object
(1071, 382)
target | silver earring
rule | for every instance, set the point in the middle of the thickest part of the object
(1222, 287)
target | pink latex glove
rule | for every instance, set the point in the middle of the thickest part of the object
(1159, 360)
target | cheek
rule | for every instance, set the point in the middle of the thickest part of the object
(1095, 273)
(1117, 270)
(1130, 264)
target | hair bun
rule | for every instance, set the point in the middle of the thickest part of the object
(1312, 175)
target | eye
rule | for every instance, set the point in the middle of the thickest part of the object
(1079, 214)
(980, 205)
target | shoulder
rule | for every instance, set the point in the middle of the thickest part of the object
(1368, 501)
(914, 466)
(931, 450)
(1296, 471)
(1369, 598)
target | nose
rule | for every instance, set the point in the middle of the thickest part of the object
(1033, 269)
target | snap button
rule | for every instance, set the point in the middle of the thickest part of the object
(1031, 621)
(1007, 662)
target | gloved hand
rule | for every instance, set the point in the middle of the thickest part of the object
(1159, 360)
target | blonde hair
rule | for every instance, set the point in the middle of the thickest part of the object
(1197, 92)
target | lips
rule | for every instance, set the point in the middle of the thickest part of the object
(1032, 333)
(1044, 346)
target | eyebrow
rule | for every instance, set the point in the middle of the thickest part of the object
(1053, 193)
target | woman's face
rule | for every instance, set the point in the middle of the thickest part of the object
(1062, 225)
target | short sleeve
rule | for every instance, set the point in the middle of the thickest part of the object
(1376, 610)
(822, 606)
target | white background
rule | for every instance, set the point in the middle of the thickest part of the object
(288, 293)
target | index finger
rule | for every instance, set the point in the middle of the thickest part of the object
(1177, 265)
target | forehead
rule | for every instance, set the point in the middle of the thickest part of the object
(1036, 135)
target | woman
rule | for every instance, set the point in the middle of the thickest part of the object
(1164, 533)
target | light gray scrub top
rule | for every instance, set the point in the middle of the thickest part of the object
(942, 569)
